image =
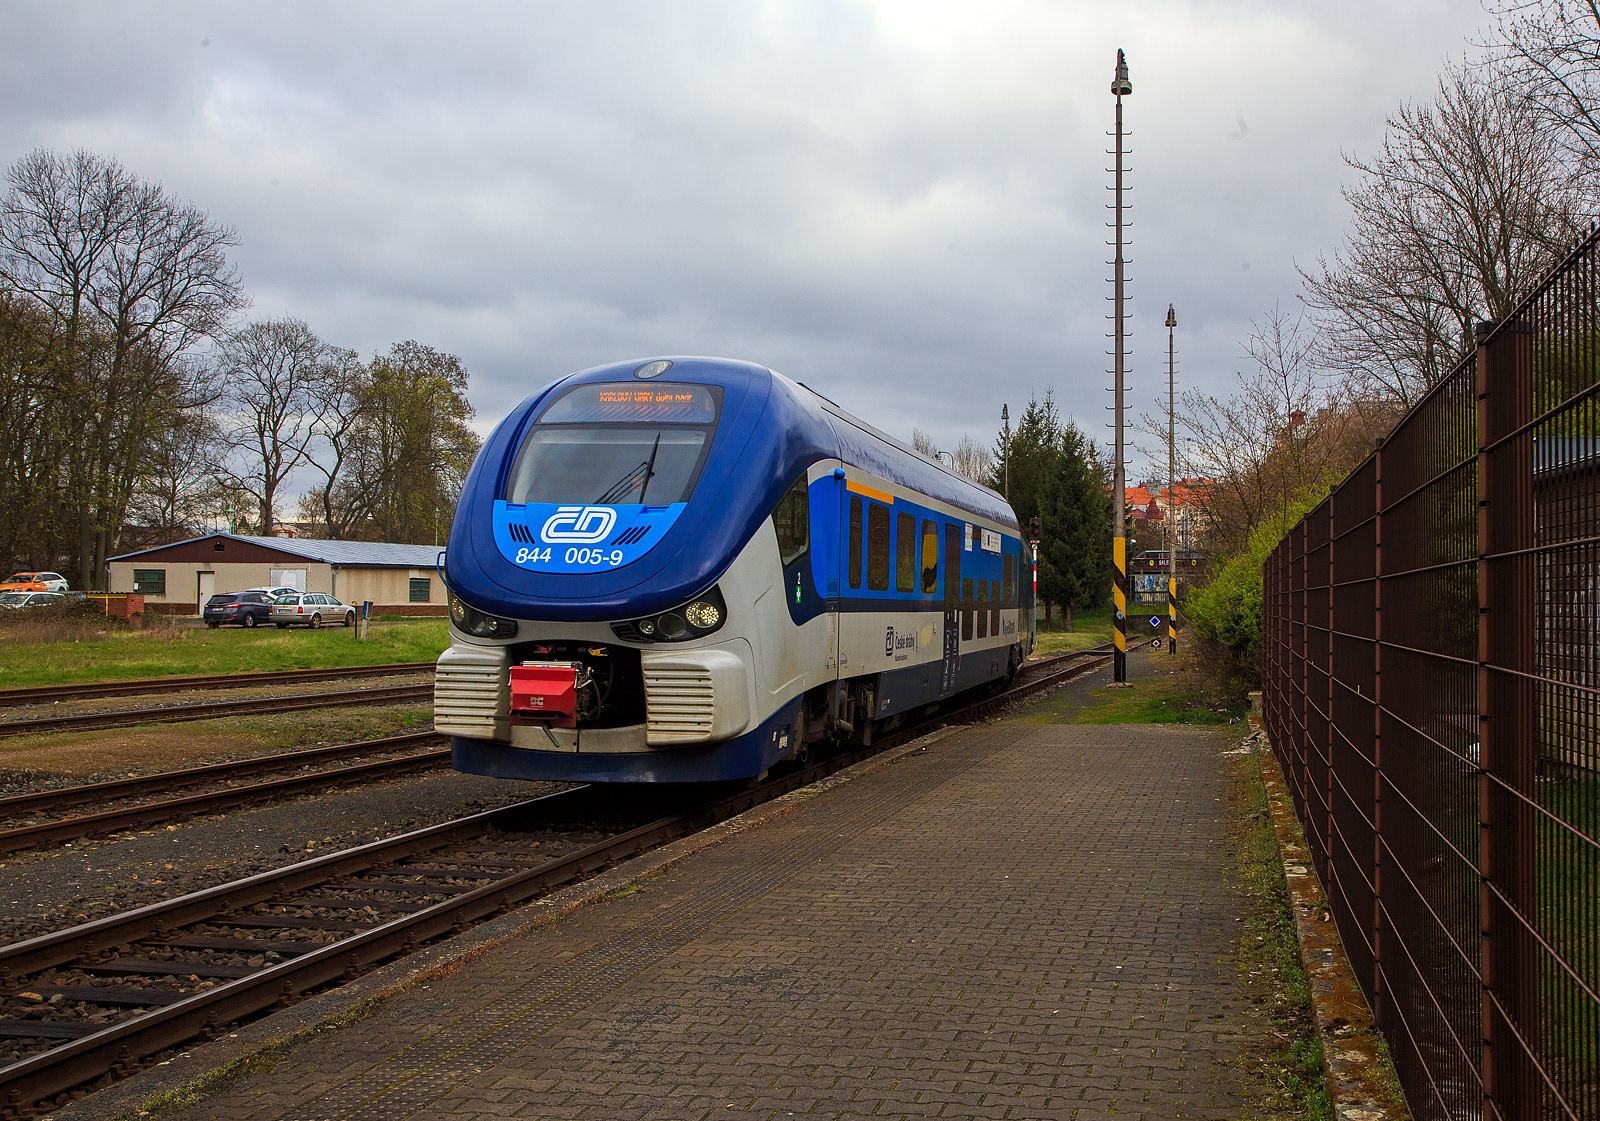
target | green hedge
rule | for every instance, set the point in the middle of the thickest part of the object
(1226, 613)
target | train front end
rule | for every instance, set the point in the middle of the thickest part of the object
(600, 581)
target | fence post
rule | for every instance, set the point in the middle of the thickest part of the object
(1507, 894)
(1329, 733)
(1379, 989)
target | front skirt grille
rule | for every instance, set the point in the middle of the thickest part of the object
(470, 692)
(680, 703)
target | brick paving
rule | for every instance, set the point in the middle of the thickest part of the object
(1018, 922)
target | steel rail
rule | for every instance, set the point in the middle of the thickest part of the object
(66, 829)
(43, 801)
(42, 694)
(122, 1049)
(151, 813)
(208, 710)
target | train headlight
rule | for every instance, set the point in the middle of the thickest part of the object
(469, 620)
(695, 619)
(703, 615)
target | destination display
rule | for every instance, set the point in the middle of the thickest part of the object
(631, 403)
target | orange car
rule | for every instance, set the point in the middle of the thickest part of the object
(34, 582)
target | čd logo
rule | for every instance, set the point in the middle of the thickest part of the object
(582, 525)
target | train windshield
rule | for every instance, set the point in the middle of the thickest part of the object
(617, 444)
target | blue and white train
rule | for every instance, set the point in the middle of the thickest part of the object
(689, 569)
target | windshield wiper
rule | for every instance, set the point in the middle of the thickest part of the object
(639, 477)
(624, 485)
(649, 469)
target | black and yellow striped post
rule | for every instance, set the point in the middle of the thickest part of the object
(1172, 614)
(1119, 597)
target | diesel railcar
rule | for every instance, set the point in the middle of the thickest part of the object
(688, 569)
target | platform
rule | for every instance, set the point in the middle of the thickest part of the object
(1018, 921)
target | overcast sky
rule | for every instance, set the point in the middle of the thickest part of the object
(898, 202)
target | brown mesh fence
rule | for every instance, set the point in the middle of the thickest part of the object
(1432, 690)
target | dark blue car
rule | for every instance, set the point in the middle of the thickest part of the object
(248, 609)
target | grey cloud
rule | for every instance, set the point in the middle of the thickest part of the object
(914, 229)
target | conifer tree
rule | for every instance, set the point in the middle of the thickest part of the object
(1075, 508)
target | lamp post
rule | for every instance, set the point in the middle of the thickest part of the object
(1172, 496)
(1120, 87)
(1005, 452)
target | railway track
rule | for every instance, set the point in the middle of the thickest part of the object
(35, 834)
(49, 802)
(44, 694)
(208, 710)
(94, 1003)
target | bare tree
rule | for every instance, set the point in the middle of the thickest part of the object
(177, 488)
(344, 401)
(1467, 205)
(408, 452)
(275, 374)
(974, 460)
(1548, 52)
(1284, 430)
(968, 458)
(125, 279)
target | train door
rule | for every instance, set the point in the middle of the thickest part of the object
(953, 536)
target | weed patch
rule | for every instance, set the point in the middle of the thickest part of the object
(1290, 1075)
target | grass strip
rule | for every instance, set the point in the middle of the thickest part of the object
(120, 653)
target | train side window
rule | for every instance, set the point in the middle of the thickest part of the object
(878, 555)
(930, 557)
(855, 541)
(792, 520)
(952, 567)
(905, 553)
(981, 608)
(994, 607)
(966, 609)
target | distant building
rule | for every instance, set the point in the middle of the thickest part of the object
(177, 579)
(1188, 503)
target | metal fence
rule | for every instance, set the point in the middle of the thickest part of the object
(1432, 690)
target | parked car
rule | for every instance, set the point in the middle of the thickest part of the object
(248, 609)
(311, 609)
(274, 592)
(34, 582)
(30, 599)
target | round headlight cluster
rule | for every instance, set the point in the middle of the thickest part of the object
(703, 615)
(695, 619)
(469, 620)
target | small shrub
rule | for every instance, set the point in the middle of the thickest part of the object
(1225, 614)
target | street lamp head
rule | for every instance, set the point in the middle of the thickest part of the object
(1172, 317)
(1120, 84)
(1005, 414)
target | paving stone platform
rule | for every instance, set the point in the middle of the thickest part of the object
(1014, 922)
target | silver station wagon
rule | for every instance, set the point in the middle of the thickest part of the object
(310, 609)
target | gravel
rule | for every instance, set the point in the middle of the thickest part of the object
(45, 891)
